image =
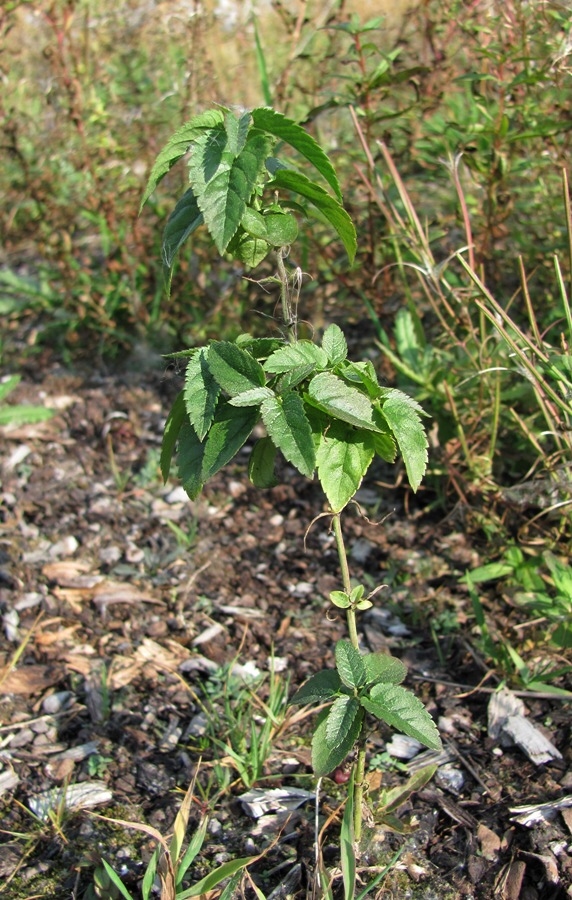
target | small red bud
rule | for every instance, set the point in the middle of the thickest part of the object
(341, 775)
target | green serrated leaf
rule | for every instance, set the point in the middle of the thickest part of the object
(173, 425)
(302, 353)
(254, 397)
(364, 373)
(287, 425)
(201, 393)
(319, 688)
(259, 348)
(237, 129)
(334, 344)
(294, 377)
(177, 146)
(223, 183)
(402, 415)
(350, 665)
(287, 130)
(200, 460)
(261, 463)
(382, 668)
(324, 758)
(190, 456)
(231, 428)
(328, 206)
(234, 369)
(401, 709)
(340, 719)
(385, 447)
(185, 218)
(343, 402)
(340, 599)
(342, 459)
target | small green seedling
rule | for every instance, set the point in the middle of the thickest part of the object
(327, 415)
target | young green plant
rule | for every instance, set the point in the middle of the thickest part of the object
(325, 414)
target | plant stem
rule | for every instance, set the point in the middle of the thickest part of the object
(343, 556)
(358, 781)
(285, 295)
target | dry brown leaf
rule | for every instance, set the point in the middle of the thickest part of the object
(160, 656)
(60, 769)
(567, 816)
(32, 679)
(80, 660)
(509, 882)
(66, 573)
(489, 841)
(108, 592)
(75, 598)
(46, 639)
(122, 672)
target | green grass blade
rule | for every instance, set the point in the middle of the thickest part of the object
(211, 881)
(192, 850)
(347, 852)
(381, 874)
(261, 64)
(150, 873)
(116, 880)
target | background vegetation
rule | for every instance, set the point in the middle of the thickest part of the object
(450, 126)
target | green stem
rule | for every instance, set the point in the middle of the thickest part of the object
(359, 779)
(343, 556)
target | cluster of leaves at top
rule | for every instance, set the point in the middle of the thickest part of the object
(231, 167)
(321, 411)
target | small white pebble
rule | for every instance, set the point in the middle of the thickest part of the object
(236, 489)
(57, 701)
(65, 547)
